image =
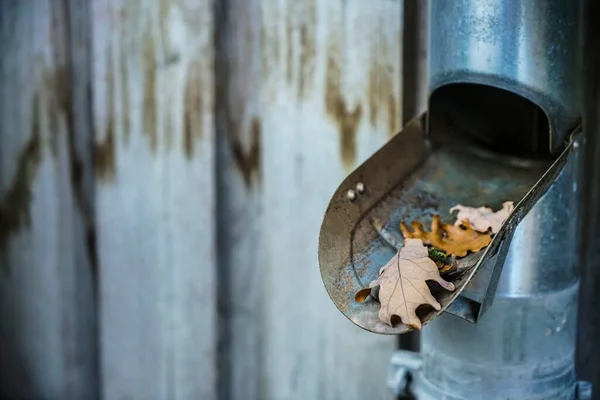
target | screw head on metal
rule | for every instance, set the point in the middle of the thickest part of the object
(360, 187)
(351, 195)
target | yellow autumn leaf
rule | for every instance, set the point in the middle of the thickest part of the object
(455, 240)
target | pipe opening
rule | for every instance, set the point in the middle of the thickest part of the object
(501, 120)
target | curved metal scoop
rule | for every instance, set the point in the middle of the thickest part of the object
(412, 178)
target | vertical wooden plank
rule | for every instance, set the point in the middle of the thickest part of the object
(154, 154)
(47, 339)
(239, 194)
(331, 96)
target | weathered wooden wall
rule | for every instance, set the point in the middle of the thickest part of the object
(47, 313)
(331, 96)
(168, 164)
(239, 194)
(153, 97)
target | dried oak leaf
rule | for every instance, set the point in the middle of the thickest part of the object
(444, 268)
(483, 218)
(453, 239)
(402, 287)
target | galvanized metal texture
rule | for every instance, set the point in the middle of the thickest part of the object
(411, 178)
(524, 346)
(527, 47)
(588, 340)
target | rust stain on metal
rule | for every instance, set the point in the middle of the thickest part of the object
(104, 152)
(247, 161)
(149, 105)
(193, 109)
(15, 203)
(382, 96)
(347, 120)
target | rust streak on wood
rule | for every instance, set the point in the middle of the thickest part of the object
(149, 105)
(269, 45)
(275, 40)
(307, 60)
(15, 203)
(300, 26)
(51, 93)
(193, 109)
(247, 161)
(289, 44)
(61, 84)
(307, 50)
(124, 75)
(169, 131)
(55, 98)
(347, 120)
(56, 81)
(382, 96)
(266, 45)
(164, 7)
(272, 45)
(104, 152)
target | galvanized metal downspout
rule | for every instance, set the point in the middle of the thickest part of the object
(588, 344)
(524, 347)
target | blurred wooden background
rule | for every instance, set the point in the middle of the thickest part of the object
(164, 168)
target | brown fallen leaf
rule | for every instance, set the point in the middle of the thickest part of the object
(483, 218)
(362, 294)
(402, 287)
(453, 239)
(443, 268)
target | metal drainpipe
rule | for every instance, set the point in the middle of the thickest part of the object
(589, 299)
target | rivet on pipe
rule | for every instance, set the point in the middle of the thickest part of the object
(351, 195)
(360, 187)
